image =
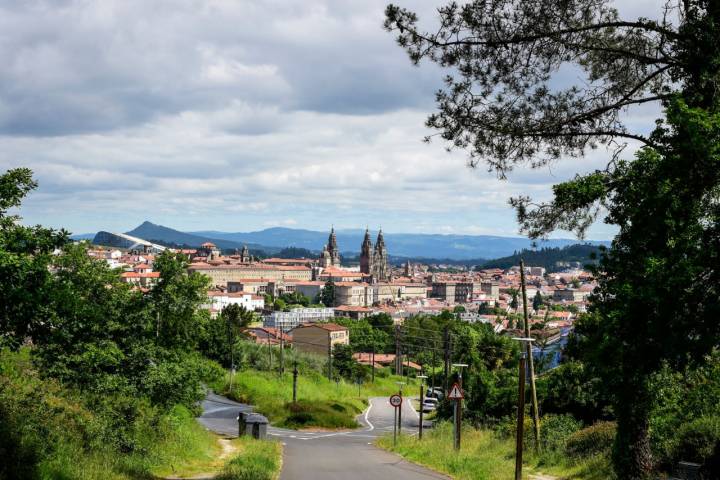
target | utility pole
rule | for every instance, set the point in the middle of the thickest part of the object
(329, 358)
(398, 353)
(520, 419)
(531, 367)
(446, 346)
(432, 369)
(269, 352)
(295, 377)
(422, 399)
(373, 364)
(282, 354)
(399, 416)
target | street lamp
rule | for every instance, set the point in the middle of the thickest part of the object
(422, 403)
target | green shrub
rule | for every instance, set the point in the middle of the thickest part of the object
(697, 440)
(592, 440)
(555, 430)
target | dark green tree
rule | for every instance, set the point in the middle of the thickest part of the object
(658, 299)
(538, 301)
(327, 294)
(25, 258)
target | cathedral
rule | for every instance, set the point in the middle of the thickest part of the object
(330, 256)
(374, 261)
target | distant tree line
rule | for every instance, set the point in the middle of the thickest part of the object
(550, 258)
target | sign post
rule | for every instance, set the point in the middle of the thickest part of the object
(456, 394)
(396, 402)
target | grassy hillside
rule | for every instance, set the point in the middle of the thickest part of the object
(54, 432)
(487, 456)
(321, 403)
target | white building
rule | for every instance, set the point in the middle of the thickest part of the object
(286, 321)
(219, 300)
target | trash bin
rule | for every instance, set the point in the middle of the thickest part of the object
(242, 423)
(260, 424)
(256, 425)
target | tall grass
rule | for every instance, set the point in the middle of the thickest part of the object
(321, 402)
(485, 456)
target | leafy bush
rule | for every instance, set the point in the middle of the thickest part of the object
(555, 430)
(698, 440)
(592, 440)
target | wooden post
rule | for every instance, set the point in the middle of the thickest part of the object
(295, 377)
(531, 366)
(520, 419)
(373, 364)
(420, 426)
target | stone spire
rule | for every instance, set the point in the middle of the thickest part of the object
(366, 254)
(381, 272)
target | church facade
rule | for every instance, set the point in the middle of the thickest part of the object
(330, 256)
(374, 259)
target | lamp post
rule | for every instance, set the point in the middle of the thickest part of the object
(521, 408)
(458, 406)
(422, 402)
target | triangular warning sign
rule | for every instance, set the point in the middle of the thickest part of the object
(456, 392)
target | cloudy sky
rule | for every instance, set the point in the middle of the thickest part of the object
(238, 115)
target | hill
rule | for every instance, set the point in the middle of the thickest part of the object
(552, 259)
(171, 237)
(408, 245)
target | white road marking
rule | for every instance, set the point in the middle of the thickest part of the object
(372, 427)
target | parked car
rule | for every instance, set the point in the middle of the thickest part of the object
(428, 407)
(432, 400)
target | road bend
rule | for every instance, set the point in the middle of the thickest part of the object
(347, 454)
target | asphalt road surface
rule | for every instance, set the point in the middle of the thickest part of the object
(349, 454)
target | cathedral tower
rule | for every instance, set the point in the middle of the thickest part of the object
(381, 272)
(366, 254)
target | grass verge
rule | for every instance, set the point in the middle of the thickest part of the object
(321, 403)
(484, 456)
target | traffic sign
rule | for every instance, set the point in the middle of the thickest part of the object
(456, 392)
(395, 400)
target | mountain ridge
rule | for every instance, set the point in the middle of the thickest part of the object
(409, 245)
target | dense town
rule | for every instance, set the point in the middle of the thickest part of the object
(290, 294)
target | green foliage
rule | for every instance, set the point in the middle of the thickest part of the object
(48, 430)
(592, 440)
(364, 337)
(555, 431)
(698, 440)
(327, 294)
(570, 388)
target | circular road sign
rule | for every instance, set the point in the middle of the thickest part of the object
(396, 400)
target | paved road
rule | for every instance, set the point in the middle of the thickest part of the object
(349, 455)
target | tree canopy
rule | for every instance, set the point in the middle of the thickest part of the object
(506, 104)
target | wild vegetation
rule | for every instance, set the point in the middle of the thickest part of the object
(97, 378)
(321, 402)
(658, 301)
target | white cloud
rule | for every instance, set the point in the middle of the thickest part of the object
(234, 115)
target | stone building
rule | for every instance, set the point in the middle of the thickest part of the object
(374, 260)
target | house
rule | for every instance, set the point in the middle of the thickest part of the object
(268, 336)
(319, 338)
(219, 299)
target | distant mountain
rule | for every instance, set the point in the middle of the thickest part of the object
(82, 236)
(411, 245)
(150, 231)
